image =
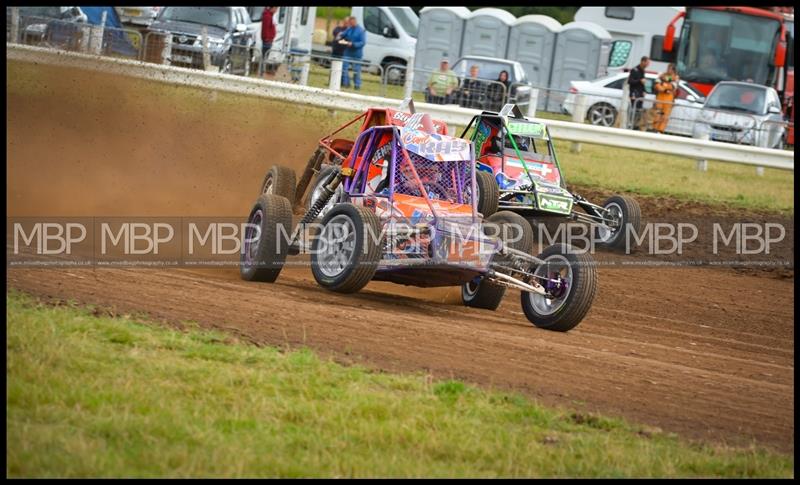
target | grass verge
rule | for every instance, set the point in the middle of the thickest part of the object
(93, 396)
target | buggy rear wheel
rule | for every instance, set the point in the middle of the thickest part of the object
(625, 210)
(515, 231)
(264, 252)
(280, 180)
(573, 286)
(345, 255)
(488, 193)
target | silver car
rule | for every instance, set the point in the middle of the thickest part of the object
(489, 69)
(744, 113)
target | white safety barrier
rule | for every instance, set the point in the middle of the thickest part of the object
(336, 100)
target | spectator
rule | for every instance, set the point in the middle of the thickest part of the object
(636, 82)
(337, 49)
(267, 36)
(353, 40)
(666, 87)
(473, 93)
(441, 84)
(498, 91)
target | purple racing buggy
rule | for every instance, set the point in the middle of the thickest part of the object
(401, 207)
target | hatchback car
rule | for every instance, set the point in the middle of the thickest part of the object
(232, 40)
(604, 98)
(744, 113)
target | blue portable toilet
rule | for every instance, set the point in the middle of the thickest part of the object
(439, 34)
(486, 33)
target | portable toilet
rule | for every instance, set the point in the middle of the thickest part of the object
(486, 33)
(532, 43)
(581, 54)
(439, 34)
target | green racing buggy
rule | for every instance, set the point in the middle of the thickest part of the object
(518, 170)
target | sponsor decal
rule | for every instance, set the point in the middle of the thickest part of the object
(405, 117)
(441, 147)
(555, 204)
(530, 129)
(481, 134)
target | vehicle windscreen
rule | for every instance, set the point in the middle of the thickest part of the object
(487, 70)
(726, 46)
(54, 12)
(738, 98)
(216, 17)
(408, 21)
(530, 139)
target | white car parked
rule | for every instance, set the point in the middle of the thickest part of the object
(604, 98)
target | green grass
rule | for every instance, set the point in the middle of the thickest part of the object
(337, 13)
(92, 396)
(616, 169)
(651, 173)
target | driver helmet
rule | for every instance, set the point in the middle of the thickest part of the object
(522, 143)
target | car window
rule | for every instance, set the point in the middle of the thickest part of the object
(737, 97)
(488, 70)
(54, 12)
(256, 13)
(375, 20)
(217, 17)
(618, 84)
(648, 85)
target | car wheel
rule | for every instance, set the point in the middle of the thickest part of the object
(280, 180)
(628, 215)
(263, 255)
(485, 295)
(602, 114)
(345, 256)
(572, 285)
(488, 193)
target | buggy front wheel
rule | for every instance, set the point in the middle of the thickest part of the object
(571, 281)
(626, 215)
(346, 253)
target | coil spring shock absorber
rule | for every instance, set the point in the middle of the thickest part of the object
(327, 192)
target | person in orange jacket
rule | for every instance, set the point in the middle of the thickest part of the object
(665, 87)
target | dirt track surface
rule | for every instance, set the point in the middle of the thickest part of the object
(699, 359)
(707, 353)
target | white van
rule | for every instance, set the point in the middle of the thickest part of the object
(636, 32)
(391, 34)
(302, 31)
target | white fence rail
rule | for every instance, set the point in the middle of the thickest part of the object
(335, 100)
